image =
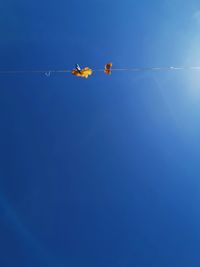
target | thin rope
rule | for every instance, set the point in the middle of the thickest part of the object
(32, 71)
(49, 72)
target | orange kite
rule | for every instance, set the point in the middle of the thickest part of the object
(107, 68)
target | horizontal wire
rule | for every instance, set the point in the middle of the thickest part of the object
(48, 72)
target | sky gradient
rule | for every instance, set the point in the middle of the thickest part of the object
(103, 171)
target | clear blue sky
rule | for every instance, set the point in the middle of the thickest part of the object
(103, 171)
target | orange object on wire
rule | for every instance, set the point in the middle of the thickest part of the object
(107, 68)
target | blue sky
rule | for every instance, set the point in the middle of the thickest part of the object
(103, 171)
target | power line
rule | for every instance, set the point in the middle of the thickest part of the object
(49, 72)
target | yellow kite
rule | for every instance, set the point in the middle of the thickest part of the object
(84, 73)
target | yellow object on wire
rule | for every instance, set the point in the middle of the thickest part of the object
(82, 73)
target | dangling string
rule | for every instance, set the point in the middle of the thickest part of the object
(48, 74)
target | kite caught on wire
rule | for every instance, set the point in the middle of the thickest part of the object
(86, 71)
